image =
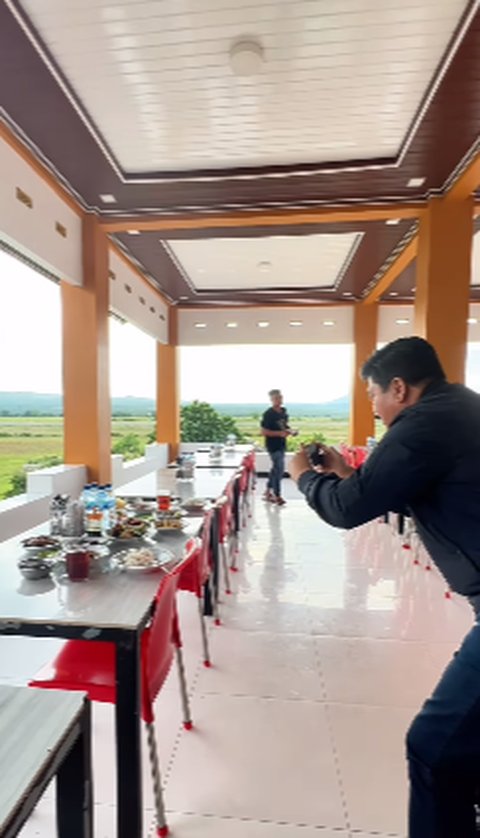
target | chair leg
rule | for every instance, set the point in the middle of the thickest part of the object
(225, 568)
(214, 600)
(162, 828)
(187, 716)
(235, 552)
(206, 651)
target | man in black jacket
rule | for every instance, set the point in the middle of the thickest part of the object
(428, 465)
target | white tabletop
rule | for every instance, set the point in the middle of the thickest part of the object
(229, 459)
(33, 724)
(117, 600)
(207, 483)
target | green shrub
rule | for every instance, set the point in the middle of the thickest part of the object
(130, 446)
(18, 480)
(200, 422)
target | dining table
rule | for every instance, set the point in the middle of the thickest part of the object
(228, 457)
(206, 483)
(112, 605)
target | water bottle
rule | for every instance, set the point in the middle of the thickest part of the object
(106, 500)
(55, 515)
(93, 511)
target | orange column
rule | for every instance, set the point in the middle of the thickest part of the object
(86, 395)
(168, 396)
(365, 323)
(443, 280)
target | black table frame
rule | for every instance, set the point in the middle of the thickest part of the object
(71, 763)
(127, 710)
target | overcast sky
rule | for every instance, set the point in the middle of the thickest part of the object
(30, 346)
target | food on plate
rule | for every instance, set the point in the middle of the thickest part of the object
(194, 503)
(169, 522)
(140, 558)
(130, 528)
(42, 542)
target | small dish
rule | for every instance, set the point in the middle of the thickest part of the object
(154, 559)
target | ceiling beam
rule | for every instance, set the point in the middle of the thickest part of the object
(393, 271)
(467, 182)
(277, 218)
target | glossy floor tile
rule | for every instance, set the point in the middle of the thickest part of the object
(329, 644)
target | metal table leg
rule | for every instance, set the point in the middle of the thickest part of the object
(74, 785)
(127, 724)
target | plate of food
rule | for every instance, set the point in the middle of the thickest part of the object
(194, 506)
(128, 529)
(41, 546)
(171, 520)
(143, 560)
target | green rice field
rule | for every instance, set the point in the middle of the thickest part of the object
(29, 439)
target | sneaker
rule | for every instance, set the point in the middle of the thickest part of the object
(280, 501)
(269, 496)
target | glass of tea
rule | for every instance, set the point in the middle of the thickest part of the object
(78, 564)
(163, 501)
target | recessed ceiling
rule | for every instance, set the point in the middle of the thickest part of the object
(156, 80)
(273, 262)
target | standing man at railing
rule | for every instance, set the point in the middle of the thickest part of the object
(275, 429)
(428, 463)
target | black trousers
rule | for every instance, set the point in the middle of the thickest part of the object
(443, 750)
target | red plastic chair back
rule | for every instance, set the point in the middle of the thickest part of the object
(188, 571)
(90, 665)
(243, 479)
(226, 513)
(158, 644)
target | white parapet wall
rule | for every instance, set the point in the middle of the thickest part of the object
(156, 456)
(32, 508)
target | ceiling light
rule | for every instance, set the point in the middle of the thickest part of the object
(108, 199)
(413, 289)
(329, 322)
(472, 321)
(183, 298)
(200, 325)
(133, 232)
(231, 325)
(392, 221)
(296, 322)
(246, 58)
(264, 266)
(262, 324)
(347, 293)
(415, 182)
(402, 321)
(393, 293)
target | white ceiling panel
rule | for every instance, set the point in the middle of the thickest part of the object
(157, 81)
(312, 325)
(258, 264)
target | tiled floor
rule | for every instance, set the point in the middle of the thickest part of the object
(328, 645)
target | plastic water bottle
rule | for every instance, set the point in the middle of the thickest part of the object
(93, 511)
(108, 505)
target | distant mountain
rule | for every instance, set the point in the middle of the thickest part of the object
(339, 407)
(50, 404)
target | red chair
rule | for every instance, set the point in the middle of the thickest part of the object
(226, 530)
(193, 574)
(90, 666)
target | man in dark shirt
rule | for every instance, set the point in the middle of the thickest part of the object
(428, 465)
(275, 429)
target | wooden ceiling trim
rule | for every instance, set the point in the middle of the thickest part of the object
(404, 258)
(467, 182)
(324, 215)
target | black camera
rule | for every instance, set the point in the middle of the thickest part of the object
(314, 454)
